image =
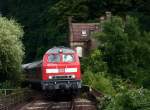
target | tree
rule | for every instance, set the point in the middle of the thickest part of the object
(126, 49)
(11, 50)
(46, 21)
(94, 62)
(40, 34)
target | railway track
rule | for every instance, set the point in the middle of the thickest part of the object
(60, 102)
(42, 103)
(37, 105)
(77, 104)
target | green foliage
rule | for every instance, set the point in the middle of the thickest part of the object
(11, 50)
(95, 73)
(42, 31)
(6, 85)
(94, 62)
(99, 81)
(127, 97)
(136, 99)
(125, 49)
(46, 21)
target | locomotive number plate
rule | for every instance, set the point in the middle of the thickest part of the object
(62, 70)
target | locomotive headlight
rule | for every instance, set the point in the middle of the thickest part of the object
(50, 77)
(60, 50)
(73, 76)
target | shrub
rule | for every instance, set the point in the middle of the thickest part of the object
(99, 81)
(6, 85)
(126, 49)
(135, 99)
(11, 50)
(94, 62)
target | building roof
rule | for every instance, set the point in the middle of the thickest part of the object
(82, 31)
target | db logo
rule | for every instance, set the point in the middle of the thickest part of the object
(61, 70)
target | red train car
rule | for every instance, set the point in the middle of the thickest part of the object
(59, 69)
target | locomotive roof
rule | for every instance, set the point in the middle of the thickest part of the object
(58, 49)
(32, 65)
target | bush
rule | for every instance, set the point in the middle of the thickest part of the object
(6, 85)
(135, 99)
(126, 49)
(99, 81)
(120, 66)
(94, 62)
(11, 50)
(95, 73)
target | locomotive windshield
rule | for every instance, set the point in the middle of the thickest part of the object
(68, 58)
(54, 58)
(57, 54)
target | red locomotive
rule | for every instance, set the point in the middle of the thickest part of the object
(59, 69)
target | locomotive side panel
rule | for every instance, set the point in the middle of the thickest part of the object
(33, 73)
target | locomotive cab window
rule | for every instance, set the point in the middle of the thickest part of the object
(54, 58)
(68, 51)
(68, 58)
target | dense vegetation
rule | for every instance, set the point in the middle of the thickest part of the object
(11, 50)
(120, 66)
(46, 21)
(126, 49)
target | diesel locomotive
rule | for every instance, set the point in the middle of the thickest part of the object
(59, 69)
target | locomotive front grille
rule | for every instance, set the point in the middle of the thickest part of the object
(63, 77)
(61, 84)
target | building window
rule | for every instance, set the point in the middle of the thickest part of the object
(83, 33)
